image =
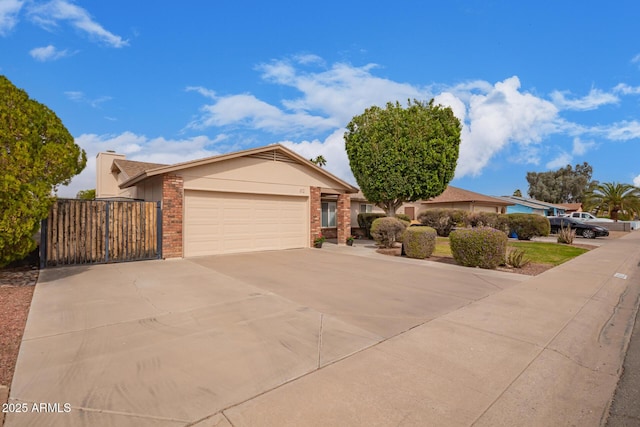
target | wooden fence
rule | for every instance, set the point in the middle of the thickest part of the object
(99, 231)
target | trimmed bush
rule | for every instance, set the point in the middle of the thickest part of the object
(482, 247)
(442, 220)
(388, 230)
(527, 226)
(488, 219)
(366, 219)
(419, 242)
(403, 217)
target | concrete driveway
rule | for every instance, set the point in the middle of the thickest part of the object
(322, 337)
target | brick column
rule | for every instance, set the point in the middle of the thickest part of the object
(315, 213)
(172, 200)
(344, 218)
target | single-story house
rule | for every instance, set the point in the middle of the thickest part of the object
(524, 205)
(258, 199)
(571, 207)
(457, 198)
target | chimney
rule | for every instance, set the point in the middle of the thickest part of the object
(106, 181)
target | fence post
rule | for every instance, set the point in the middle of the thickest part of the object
(43, 243)
(159, 228)
(106, 232)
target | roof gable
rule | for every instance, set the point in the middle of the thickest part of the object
(275, 152)
(131, 168)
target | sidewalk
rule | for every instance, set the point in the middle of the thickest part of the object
(547, 351)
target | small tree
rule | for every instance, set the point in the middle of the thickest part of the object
(37, 154)
(517, 193)
(402, 154)
(86, 194)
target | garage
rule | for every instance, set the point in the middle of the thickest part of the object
(220, 222)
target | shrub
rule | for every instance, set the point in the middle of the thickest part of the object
(527, 226)
(366, 219)
(442, 220)
(482, 247)
(488, 219)
(386, 231)
(403, 217)
(516, 258)
(419, 242)
(566, 235)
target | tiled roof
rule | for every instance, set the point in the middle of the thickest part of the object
(132, 168)
(571, 206)
(454, 194)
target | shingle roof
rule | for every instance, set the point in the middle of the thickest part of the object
(531, 202)
(454, 194)
(132, 168)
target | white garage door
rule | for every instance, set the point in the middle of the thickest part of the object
(219, 223)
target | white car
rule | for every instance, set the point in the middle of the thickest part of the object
(586, 216)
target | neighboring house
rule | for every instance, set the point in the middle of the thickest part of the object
(451, 198)
(524, 205)
(259, 199)
(571, 207)
(457, 198)
(360, 204)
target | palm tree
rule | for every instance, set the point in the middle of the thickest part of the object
(613, 197)
(320, 161)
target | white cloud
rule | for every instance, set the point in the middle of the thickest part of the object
(593, 100)
(621, 131)
(202, 91)
(636, 181)
(141, 148)
(580, 147)
(79, 96)
(625, 89)
(48, 53)
(47, 16)
(9, 10)
(332, 149)
(560, 161)
(502, 116)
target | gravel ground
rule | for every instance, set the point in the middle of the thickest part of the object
(16, 290)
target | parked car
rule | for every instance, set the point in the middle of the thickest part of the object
(586, 216)
(586, 230)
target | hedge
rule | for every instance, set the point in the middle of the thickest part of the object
(442, 220)
(419, 241)
(388, 230)
(488, 219)
(527, 226)
(366, 219)
(483, 247)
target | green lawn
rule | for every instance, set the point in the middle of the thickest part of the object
(537, 252)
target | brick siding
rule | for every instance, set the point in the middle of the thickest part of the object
(172, 200)
(344, 218)
(315, 213)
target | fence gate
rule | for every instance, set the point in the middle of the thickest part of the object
(100, 231)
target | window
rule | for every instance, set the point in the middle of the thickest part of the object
(328, 214)
(366, 208)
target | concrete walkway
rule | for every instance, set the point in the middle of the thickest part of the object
(323, 337)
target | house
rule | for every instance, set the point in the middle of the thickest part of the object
(571, 207)
(451, 198)
(258, 199)
(457, 198)
(524, 205)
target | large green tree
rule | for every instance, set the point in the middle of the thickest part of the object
(402, 154)
(614, 198)
(565, 185)
(37, 154)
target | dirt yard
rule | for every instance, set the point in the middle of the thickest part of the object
(16, 290)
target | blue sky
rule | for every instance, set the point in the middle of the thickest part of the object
(538, 85)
